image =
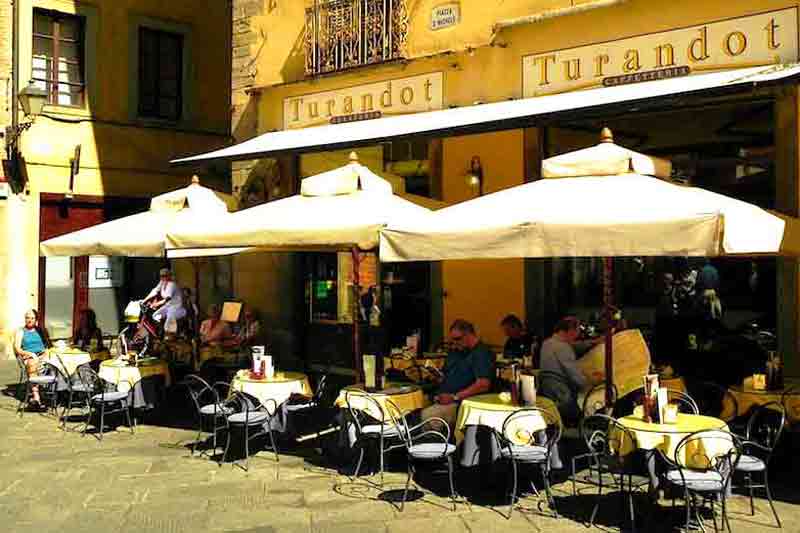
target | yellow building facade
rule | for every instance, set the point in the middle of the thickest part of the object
(129, 114)
(438, 54)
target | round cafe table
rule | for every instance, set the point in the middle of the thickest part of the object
(71, 358)
(650, 437)
(406, 397)
(278, 388)
(480, 416)
(746, 398)
(152, 374)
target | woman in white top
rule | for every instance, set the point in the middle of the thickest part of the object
(167, 299)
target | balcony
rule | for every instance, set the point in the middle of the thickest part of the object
(343, 34)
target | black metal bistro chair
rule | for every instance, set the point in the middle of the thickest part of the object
(106, 399)
(528, 437)
(605, 441)
(764, 430)
(373, 425)
(426, 444)
(45, 379)
(701, 468)
(74, 393)
(212, 410)
(253, 419)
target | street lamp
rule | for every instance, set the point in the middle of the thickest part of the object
(32, 100)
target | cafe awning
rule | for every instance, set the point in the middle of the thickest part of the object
(496, 116)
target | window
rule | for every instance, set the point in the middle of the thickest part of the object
(58, 57)
(160, 74)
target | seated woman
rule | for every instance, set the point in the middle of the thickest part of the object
(88, 336)
(214, 331)
(30, 342)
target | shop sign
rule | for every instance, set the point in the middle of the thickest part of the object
(391, 97)
(756, 40)
(445, 16)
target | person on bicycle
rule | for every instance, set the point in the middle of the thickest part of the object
(166, 299)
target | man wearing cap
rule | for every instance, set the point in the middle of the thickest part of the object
(167, 299)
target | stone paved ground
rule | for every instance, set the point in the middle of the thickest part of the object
(56, 481)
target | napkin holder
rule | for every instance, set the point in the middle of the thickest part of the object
(369, 363)
(258, 368)
(528, 388)
(269, 367)
(670, 415)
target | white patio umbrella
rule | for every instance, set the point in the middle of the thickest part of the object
(144, 234)
(342, 209)
(603, 201)
(336, 210)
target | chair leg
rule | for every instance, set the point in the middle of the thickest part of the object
(596, 507)
(102, 418)
(246, 448)
(227, 447)
(748, 478)
(360, 459)
(769, 499)
(127, 409)
(688, 502)
(408, 483)
(574, 487)
(545, 468)
(513, 488)
(450, 477)
(631, 512)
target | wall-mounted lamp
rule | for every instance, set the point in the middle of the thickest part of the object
(475, 175)
(32, 99)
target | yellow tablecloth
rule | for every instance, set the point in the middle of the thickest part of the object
(71, 358)
(405, 401)
(207, 353)
(747, 397)
(665, 437)
(491, 410)
(279, 388)
(119, 373)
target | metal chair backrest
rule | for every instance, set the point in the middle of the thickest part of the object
(89, 379)
(765, 425)
(523, 425)
(595, 400)
(707, 450)
(713, 399)
(249, 404)
(319, 394)
(605, 436)
(360, 404)
(199, 389)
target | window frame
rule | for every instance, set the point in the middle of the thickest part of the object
(160, 34)
(52, 83)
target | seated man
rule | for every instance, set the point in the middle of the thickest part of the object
(467, 372)
(518, 342)
(248, 332)
(214, 331)
(558, 356)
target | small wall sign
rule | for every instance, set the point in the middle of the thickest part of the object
(445, 16)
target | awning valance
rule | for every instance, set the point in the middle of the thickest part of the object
(490, 117)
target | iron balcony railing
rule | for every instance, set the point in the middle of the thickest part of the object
(342, 34)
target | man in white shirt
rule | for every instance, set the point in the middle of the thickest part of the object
(167, 299)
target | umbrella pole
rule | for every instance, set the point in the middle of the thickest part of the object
(608, 302)
(356, 312)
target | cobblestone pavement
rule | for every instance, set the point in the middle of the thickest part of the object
(56, 481)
